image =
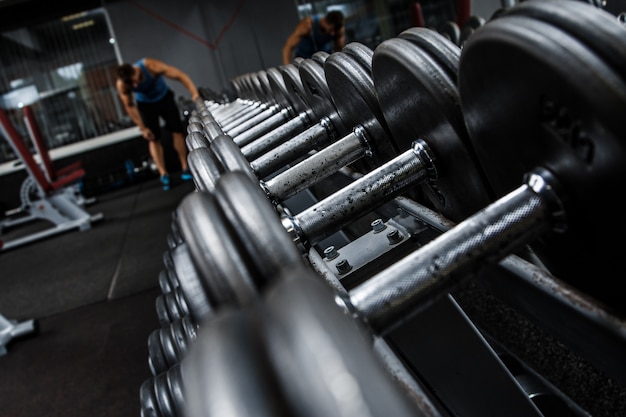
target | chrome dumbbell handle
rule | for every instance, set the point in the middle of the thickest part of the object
(415, 282)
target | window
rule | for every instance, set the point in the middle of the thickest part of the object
(64, 69)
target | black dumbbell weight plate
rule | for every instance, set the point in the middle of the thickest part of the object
(270, 95)
(274, 87)
(349, 77)
(468, 28)
(360, 53)
(593, 27)
(326, 353)
(421, 100)
(230, 156)
(295, 89)
(535, 96)
(224, 273)
(147, 399)
(317, 93)
(261, 84)
(190, 284)
(156, 355)
(167, 341)
(257, 227)
(451, 31)
(277, 84)
(444, 51)
(227, 371)
(447, 55)
(163, 396)
(320, 57)
(249, 87)
(238, 86)
(176, 389)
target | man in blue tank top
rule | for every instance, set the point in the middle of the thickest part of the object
(146, 98)
(314, 34)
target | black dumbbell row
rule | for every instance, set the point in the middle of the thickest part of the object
(246, 284)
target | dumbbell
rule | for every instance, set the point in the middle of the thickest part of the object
(521, 195)
(287, 77)
(309, 85)
(452, 31)
(343, 205)
(471, 25)
(169, 344)
(319, 99)
(255, 114)
(381, 185)
(519, 217)
(230, 264)
(240, 109)
(234, 365)
(263, 231)
(203, 123)
(391, 56)
(286, 87)
(566, 116)
(354, 80)
(324, 131)
(435, 115)
(252, 100)
(181, 295)
(550, 154)
(354, 146)
(288, 95)
(283, 110)
(520, 198)
(294, 115)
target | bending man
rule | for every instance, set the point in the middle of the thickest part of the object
(314, 34)
(147, 97)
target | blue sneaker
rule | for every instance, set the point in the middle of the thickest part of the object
(186, 175)
(165, 180)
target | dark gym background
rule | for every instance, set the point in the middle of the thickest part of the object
(93, 292)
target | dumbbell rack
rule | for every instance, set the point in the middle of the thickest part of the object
(543, 298)
(518, 292)
(490, 345)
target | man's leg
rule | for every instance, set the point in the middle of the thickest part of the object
(156, 152)
(178, 142)
(174, 124)
(150, 115)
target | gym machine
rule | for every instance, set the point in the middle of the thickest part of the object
(12, 329)
(47, 194)
(498, 155)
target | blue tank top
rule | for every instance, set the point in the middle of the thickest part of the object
(317, 41)
(151, 89)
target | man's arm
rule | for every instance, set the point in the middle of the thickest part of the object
(302, 29)
(158, 67)
(340, 40)
(131, 109)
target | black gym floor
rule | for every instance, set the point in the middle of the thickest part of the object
(93, 295)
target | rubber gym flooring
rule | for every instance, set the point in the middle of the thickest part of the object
(92, 294)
